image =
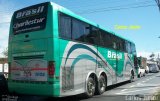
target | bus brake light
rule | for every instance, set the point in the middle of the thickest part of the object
(51, 68)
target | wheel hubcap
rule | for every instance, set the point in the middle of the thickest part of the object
(102, 84)
(91, 88)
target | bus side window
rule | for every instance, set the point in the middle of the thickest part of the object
(115, 42)
(122, 45)
(128, 47)
(78, 30)
(90, 36)
(94, 36)
(133, 49)
(106, 39)
(114, 45)
(64, 26)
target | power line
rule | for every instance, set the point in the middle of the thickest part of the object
(113, 7)
(96, 11)
(75, 7)
(121, 7)
(93, 4)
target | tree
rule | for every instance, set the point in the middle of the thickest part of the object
(158, 3)
(5, 52)
(152, 55)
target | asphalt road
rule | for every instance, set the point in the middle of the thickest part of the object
(140, 90)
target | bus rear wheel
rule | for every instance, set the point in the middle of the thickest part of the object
(139, 75)
(101, 85)
(90, 87)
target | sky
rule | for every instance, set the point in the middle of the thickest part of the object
(116, 15)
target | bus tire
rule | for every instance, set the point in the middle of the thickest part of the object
(90, 87)
(139, 75)
(101, 86)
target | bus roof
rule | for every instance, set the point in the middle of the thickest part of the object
(67, 11)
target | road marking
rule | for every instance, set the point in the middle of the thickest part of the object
(124, 90)
(143, 81)
(137, 90)
(148, 79)
(132, 86)
(139, 84)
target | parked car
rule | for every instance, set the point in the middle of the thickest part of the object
(159, 67)
(153, 68)
(141, 72)
(147, 70)
(3, 84)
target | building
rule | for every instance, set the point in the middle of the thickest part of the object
(4, 66)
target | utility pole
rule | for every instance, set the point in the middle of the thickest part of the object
(158, 3)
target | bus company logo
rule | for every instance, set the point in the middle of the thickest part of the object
(27, 72)
(114, 55)
(30, 12)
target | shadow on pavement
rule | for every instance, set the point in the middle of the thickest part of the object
(69, 98)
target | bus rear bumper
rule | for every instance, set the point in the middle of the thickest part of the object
(40, 89)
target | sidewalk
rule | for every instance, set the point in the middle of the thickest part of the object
(156, 96)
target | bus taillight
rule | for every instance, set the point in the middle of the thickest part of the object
(51, 68)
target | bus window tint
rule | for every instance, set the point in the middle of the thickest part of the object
(133, 49)
(121, 45)
(106, 39)
(79, 30)
(115, 42)
(65, 26)
(74, 29)
(92, 37)
(128, 47)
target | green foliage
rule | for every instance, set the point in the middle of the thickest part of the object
(5, 52)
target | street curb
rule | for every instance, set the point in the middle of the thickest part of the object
(156, 95)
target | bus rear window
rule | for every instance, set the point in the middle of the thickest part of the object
(30, 19)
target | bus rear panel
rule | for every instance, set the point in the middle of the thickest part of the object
(31, 58)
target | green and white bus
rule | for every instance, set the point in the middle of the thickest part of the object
(54, 52)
